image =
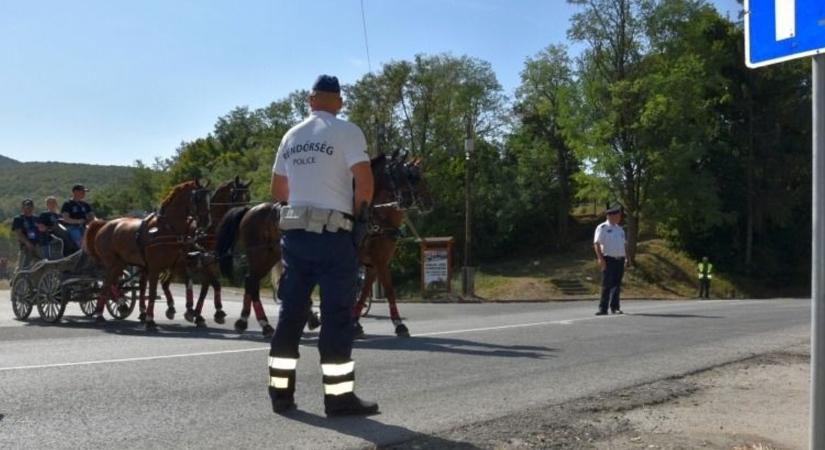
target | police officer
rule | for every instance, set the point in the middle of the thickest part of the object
(705, 272)
(77, 213)
(24, 228)
(314, 170)
(610, 244)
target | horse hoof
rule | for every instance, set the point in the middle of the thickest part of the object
(100, 320)
(220, 317)
(358, 331)
(151, 325)
(170, 313)
(268, 331)
(240, 325)
(200, 322)
(189, 315)
(314, 320)
(142, 317)
(402, 331)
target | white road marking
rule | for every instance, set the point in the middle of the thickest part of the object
(141, 358)
(434, 333)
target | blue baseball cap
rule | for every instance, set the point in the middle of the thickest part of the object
(327, 83)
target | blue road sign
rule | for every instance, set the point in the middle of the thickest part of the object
(779, 30)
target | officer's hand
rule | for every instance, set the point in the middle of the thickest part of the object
(361, 226)
(359, 232)
(602, 264)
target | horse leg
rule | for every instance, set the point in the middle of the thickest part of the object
(142, 289)
(189, 314)
(220, 315)
(364, 291)
(241, 323)
(200, 322)
(170, 301)
(385, 278)
(275, 278)
(213, 278)
(150, 311)
(252, 285)
(109, 282)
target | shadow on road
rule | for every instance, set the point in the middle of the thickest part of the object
(186, 331)
(165, 330)
(381, 435)
(677, 316)
(458, 346)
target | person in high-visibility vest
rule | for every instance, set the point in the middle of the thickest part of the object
(705, 272)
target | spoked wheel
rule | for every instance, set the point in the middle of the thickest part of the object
(88, 307)
(50, 303)
(121, 307)
(22, 297)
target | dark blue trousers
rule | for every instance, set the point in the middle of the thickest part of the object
(328, 260)
(611, 283)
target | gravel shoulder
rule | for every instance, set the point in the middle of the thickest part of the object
(758, 403)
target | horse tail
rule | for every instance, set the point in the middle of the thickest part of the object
(89, 238)
(227, 234)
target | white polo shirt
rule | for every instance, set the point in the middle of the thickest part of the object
(316, 156)
(611, 238)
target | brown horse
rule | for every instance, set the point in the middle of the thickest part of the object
(408, 191)
(398, 185)
(256, 230)
(204, 267)
(155, 243)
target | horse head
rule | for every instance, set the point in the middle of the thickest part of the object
(240, 192)
(199, 203)
(402, 182)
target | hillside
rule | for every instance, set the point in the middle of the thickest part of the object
(36, 180)
(660, 272)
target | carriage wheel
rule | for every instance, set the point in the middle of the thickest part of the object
(121, 307)
(22, 297)
(88, 307)
(50, 303)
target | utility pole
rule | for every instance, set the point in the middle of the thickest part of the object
(818, 259)
(467, 272)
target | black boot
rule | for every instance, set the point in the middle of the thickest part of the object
(282, 401)
(348, 405)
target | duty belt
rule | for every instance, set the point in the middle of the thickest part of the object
(313, 219)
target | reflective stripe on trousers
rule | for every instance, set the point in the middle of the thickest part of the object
(339, 379)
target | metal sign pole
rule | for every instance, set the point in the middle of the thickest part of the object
(818, 258)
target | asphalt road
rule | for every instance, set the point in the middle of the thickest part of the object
(74, 385)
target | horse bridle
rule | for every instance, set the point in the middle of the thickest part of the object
(235, 196)
(399, 173)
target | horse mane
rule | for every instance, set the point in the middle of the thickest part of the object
(175, 191)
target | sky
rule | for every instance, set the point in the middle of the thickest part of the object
(111, 81)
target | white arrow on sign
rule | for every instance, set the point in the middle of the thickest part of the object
(785, 19)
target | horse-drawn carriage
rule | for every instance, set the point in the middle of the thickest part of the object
(50, 285)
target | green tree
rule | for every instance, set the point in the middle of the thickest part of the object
(546, 108)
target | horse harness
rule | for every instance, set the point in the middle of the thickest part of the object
(146, 237)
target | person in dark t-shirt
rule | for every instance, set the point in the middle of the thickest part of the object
(77, 213)
(25, 230)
